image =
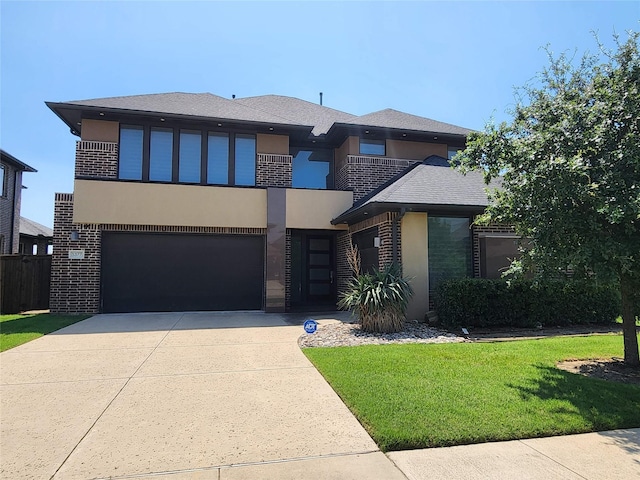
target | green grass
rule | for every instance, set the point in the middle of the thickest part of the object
(417, 395)
(619, 320)
(18, 329)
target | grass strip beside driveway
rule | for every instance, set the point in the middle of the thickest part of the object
(18, 329)
(433, 395)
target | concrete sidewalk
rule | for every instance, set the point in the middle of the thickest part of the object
(594, 456)
(229, 396)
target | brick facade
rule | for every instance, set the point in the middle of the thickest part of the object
(75, 283)
(363, 174)
(10, 210)
(274, 170)
(384, 222)
(96, 159)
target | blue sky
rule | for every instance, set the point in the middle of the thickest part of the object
(452, 61)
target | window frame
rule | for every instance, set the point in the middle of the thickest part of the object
(177, 129)
(3, 179)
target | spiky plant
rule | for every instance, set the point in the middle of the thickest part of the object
(378, 299)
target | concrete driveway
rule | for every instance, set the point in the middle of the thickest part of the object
(177, 396)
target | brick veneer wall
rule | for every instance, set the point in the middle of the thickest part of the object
(9, 211)
(476, 230)
(96, 159)
(363, 174)
(384, 222)
(274, 170)
(75, 284)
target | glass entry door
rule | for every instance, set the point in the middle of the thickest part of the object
(320, 281)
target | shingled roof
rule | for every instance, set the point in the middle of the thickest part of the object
(431, 184)
(192, 104)
(266, 110)
(298, 111)
(34, 229)
(390, 118)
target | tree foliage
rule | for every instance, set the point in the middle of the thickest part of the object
(569, 168)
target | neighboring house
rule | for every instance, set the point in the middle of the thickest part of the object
(11, 170)
(197, 202)
(35, 239)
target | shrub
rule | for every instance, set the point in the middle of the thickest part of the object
(378, 299)
(524, 303)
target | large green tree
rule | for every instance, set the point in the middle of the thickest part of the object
(569, 168)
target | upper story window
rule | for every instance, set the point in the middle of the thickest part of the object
(131, 144)
(245, 160)
(186, 156)
(161, 155)
(372, 147)
(312, 168)
(2, 175)
(452, 151)
(190, 169)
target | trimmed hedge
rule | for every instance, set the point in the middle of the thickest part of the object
(474, 302)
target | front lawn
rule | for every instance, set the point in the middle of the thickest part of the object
(432, 395)
(18, 329)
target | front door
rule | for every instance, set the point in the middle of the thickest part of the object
(320, 271)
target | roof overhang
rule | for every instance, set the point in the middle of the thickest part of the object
(73, 114)
(340, 131)
(368, 210)
(10, 159)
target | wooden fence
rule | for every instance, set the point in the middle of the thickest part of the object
(24, 282)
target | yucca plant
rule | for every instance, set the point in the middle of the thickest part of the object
(378, 299)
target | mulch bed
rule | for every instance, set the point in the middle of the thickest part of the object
(614, 370)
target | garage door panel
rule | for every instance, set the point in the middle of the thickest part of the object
(175, 272)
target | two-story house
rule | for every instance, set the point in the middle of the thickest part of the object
(198, 202)
(11, 170)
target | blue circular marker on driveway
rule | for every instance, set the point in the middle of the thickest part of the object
(310, 326)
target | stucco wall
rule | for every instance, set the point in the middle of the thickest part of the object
(129, 203)
(314, 209)
(415, 263)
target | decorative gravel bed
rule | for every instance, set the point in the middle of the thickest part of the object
(349, 334)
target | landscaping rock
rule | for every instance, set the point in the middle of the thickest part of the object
(350, 334)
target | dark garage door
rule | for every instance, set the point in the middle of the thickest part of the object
(144, 272)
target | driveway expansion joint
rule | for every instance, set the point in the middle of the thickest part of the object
(237, 465)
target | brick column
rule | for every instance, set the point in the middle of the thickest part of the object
(96, 159)
(75, 282)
